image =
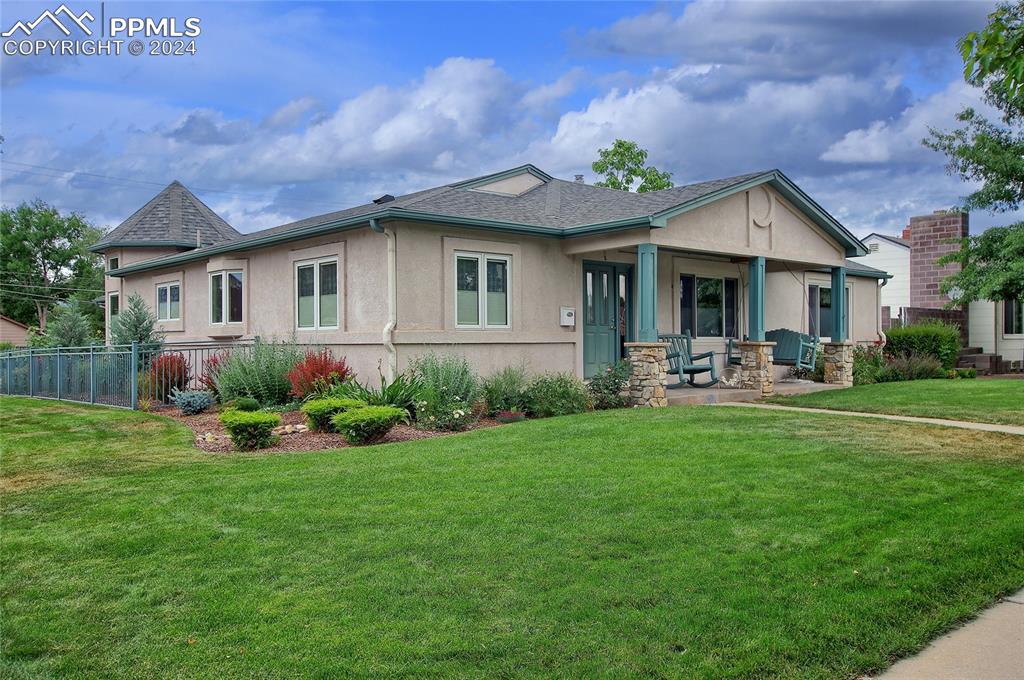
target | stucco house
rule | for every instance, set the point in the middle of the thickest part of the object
(508, 267)
(13, 331)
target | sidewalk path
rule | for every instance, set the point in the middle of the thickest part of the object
(989, 648)
(963, 424)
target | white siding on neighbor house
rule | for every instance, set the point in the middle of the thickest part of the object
(893, 259)
(981, 323)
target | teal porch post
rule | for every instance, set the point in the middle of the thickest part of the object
(755, 301)
(839, 304)
(647, 291)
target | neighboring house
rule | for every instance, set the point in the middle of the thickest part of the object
(13, 331)
(890, 254)
(508, 267)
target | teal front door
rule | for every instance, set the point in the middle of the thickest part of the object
(600, 317)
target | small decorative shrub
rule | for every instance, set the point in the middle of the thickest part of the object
(962, 373)
(867, 362)
(319, 412)
(556, 394)
(191, 402)
(402, 392)
(509, 416)
(910, 367)
(931, 338)
(211, 368)
(260, 372)
(250, 429)
(245, 404)
(368, 424)
(606, 387)
(167, 371)
(450, 391)
(504, 391)
(316, 371)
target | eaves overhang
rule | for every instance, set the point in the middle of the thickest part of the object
(107, 245)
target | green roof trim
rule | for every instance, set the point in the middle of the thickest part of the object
(107, 245)
(498, 176)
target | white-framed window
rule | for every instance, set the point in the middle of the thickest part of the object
(226, 297)
(483, 289)
(113, 262)
(1013, 317)
(114, 305)
(819, 311)
(316, 294)
(168, 301)
(708, 306)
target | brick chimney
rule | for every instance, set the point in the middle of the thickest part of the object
(931, 237)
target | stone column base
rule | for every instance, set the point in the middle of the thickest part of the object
(839, 363)
(648, 373)
(757, 369)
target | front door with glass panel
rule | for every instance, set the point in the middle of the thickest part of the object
(601, 322)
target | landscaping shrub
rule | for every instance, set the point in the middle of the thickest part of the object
(505, 390)
(260, 372)
(245, 404)
(403, 392)
(368, 424)
(211, 368)
(319, 412)
(316, 371)
(556, 394)
(867, 362)
(250, 429)
(136, 323)
(932, 338)
(449, 392)
(606, 387)
(910, 367)
(961, 373)
(191, 402)
(167, 371)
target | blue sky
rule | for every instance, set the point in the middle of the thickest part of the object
(292, 109)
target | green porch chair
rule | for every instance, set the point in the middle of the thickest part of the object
(682, 361)
(792, 348)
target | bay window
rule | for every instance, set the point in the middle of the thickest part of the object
(482, 290)
(226, 297)
(708, 306)
(168, 301)
(316, 294)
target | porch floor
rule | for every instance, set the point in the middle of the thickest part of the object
(719, 394)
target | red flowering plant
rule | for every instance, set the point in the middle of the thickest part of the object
(211, 368)
(317, 372)
(166, 371)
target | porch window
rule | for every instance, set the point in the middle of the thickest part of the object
(226, 297)
(819, 311)
(1013, 317)
(316, 294)
(168, 301)
(489, 307)
(708, 307)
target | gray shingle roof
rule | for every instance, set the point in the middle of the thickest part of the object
(892, 239)
(172, 217)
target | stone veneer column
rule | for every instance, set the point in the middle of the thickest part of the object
(648, 373)
(757, 369)
(839, 363)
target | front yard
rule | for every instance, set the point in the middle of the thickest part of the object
(997, 400)
(687, 542)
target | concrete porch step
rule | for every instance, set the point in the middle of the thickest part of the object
(720, 395)
(971, 350)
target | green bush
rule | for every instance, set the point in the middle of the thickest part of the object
(245, 404)
(368, 424)
(961, 373)
(556, 394)
(403, 392)
(319, 412)
(250, 429)
(910, 367)
(506, 390)
(606, 387)
(867, 362)
(932, 338)
(191, 402)
(450, 391)
(260, 372)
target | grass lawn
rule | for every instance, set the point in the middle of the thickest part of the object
(982, 401)
(681, 542)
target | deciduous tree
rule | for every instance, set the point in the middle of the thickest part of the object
(623, 164)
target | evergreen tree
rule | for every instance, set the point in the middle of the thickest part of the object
(135, 323)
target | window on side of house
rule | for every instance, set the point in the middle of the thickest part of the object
(114, 306)
(1013, 317)
(708, 306)
(482, 290)
(316, 294)
(819, 311)
(226, 297)
(168, 301)
(113, 263)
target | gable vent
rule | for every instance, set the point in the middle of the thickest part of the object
(872, 247)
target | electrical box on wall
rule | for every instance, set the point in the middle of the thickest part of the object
(567, 316)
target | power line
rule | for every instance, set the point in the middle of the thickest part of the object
(33, 285)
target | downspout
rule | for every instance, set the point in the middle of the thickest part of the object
(878, 323)
(389, 327)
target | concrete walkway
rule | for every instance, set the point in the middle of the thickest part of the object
(989, 648)
(963, 424)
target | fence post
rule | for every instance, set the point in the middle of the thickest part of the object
(31, 382)
(92, 373)
(135, 375)
(59, 376)
(10, 390)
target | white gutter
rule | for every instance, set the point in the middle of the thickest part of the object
(387, 336)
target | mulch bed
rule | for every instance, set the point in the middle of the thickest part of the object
(206, 424)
